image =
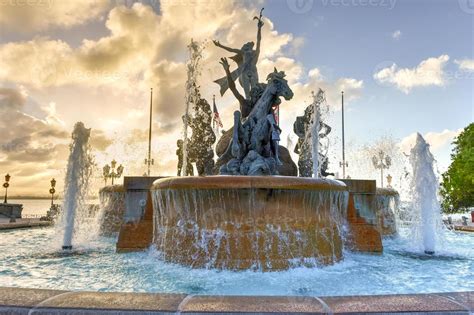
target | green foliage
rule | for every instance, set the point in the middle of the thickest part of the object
(457, 187)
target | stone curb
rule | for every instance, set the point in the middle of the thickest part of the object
(39, 301)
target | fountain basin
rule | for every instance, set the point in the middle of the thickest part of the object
(249, 222)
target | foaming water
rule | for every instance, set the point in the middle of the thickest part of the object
(26, 261)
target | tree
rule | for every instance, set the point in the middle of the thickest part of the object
(457, 187)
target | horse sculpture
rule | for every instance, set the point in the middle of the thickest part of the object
(250, 152)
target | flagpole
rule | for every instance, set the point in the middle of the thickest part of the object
(149, 161)
(343, 139)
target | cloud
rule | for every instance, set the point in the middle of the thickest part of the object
(26, 138)
(105, 81)
(396, 35)
(465, 64)
(429, 72)
(11, 99)
(116, 59)
(40, 15)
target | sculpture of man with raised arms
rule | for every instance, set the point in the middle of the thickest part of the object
(246, 59)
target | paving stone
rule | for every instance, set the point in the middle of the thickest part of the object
(392, 304)
(116, 301)
(255, 304)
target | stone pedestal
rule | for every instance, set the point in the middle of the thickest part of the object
(387, 201)
(364, 233)
(136, 231)
(10, 210)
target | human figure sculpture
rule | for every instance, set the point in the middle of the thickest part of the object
(250, 150)
(246, 59)
(275, 136)
(246, 105)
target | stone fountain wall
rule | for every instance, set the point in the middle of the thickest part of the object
(136, 231)
(246, 222)
(10, 210)
(363, 230)
(387, 202)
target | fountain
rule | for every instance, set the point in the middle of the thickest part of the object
(76, 182)
(425, 204)
(251, 211)
(315, 137)
(311, 129)
(246, 216)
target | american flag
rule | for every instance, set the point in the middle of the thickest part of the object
(276, 113)
(216, 120)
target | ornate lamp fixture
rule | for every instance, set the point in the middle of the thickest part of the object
(109, 171)
(381, 161)
(52, 191)
(6, 185)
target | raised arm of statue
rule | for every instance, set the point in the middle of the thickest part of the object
(232, 87)
(259, 34)
(259, 39)
(232, 50)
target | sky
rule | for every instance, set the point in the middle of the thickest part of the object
(405, 66)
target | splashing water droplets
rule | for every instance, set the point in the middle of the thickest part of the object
(426, 214)
(79, 169)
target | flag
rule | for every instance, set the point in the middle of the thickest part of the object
(276, 113)
(216, 120)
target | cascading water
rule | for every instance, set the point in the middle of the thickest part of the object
(425, 204)
(112, 209)
(77, 180)
(238, 223)
(311, 146)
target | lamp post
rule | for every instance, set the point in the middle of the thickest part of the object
(109, 171)
(381, 161)
(6, 185)
(52, 191)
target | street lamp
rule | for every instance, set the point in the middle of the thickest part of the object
(109, 171)
(52, 191)
(381, 161)
(6, 185)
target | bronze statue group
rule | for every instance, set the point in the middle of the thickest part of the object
(251, 146)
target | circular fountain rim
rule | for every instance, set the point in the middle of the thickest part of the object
(246, 182)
